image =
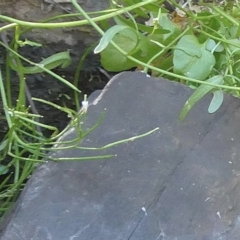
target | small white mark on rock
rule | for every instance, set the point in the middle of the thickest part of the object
(219, 215)
(144, 210)
(147, 75)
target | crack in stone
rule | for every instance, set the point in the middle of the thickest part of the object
(133, 231)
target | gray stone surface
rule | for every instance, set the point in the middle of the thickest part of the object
(180, 183)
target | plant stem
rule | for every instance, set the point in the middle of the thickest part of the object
(74, 23)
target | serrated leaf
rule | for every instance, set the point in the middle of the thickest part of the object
(216, 102)
(198, 94)
(108, 36)
(191, 59)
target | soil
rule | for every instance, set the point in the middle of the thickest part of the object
(46, 87)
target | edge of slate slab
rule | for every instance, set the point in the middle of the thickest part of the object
(185, 91)
(7, 218)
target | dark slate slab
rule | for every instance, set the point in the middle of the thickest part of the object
(180, 183)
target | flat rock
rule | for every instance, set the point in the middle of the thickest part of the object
(182, 182)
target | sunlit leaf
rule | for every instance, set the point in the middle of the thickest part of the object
(191, 59)
(198, 94)
(108, 36)
(211, 46)
(216, 102)
(112, 59)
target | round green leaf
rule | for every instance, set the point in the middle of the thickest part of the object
(191, 59)
(112, 59)
(211, 46)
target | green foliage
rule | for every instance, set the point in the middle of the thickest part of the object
(192, 59)
(199, 93)
(108, 36)
(127, 40)
(198, 49)
(61, 59)
(216, 102)
(25, 144)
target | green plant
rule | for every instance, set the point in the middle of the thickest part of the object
(24, 146)
(201, 50)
